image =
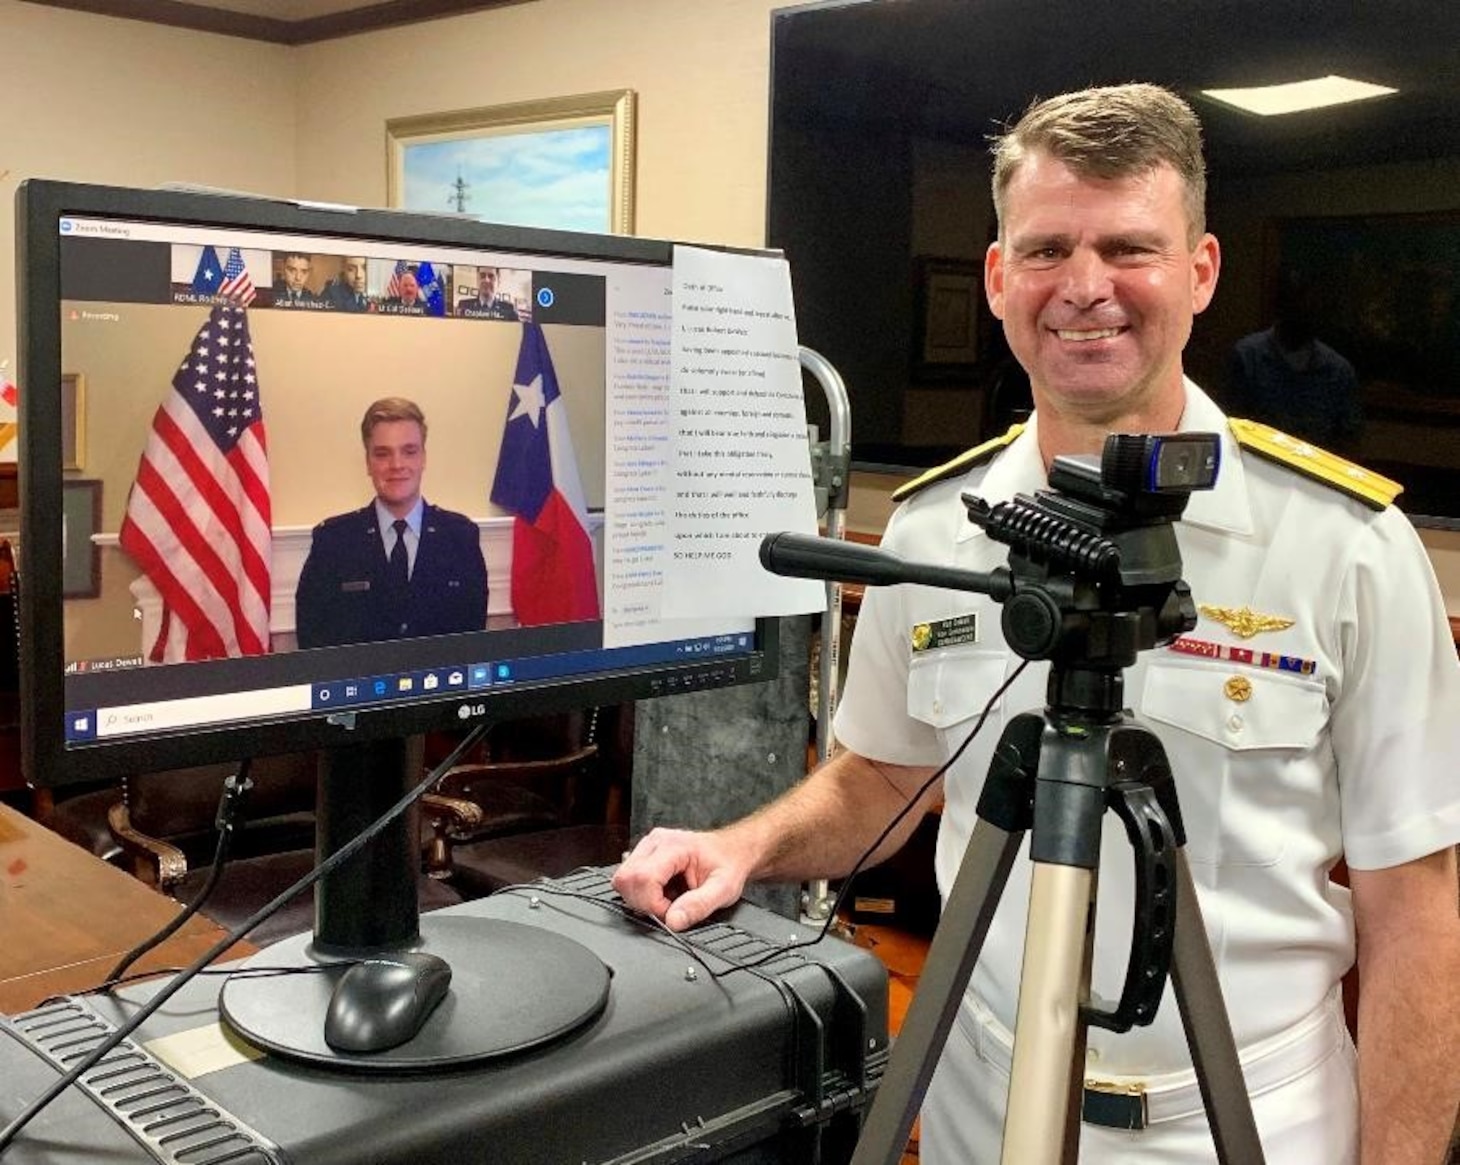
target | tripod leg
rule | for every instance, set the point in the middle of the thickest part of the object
(965, 923)
(1077, 1052)
(1049, 1011)
(1208, 1032)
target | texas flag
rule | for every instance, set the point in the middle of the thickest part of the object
(537, 480)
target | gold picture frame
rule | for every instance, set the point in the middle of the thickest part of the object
(471, 161)
(73, 421)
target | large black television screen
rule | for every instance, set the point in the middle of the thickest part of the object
(1339, 223)
(188, 421)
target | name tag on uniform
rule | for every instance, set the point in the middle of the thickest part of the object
(358, 585)
(953, 632)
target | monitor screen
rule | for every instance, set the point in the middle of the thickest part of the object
(211, 566)
(1334, 192)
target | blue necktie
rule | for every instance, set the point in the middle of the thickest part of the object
(400, 563)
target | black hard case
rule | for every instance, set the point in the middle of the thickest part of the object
(774, 1065)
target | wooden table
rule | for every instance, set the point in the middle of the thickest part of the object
(903, 954)
(66, 917)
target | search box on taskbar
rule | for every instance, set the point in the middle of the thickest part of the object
(164, 714)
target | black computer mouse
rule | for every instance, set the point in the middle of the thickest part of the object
(382, 1001)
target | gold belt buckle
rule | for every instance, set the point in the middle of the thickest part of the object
(1114, 1106)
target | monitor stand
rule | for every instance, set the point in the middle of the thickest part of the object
(513, 987)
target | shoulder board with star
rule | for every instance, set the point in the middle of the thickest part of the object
(1374, 490)
(959, 465)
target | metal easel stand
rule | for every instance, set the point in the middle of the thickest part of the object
(831, 471)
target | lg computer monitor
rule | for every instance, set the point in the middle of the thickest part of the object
(204, 573)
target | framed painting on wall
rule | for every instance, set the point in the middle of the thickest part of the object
(73, 421)
(948, 296)
(564, 163)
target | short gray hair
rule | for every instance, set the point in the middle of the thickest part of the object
(1112, 132)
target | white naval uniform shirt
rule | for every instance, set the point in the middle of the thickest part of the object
(1356, 759)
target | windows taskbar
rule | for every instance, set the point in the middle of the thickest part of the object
(89, 724)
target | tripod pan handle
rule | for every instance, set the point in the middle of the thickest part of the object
(1153, 935)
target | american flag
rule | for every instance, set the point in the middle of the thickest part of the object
(392, 289)
(198, 520)
(236, 284)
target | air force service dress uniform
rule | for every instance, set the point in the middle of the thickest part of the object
(346, 593)
(1310, 714)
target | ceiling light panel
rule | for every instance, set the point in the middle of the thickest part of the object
(1296, 96)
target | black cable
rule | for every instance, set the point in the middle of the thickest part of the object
(918, 796)
(173, 986)
(646, 919)
(249, 972)
(846, 885)
(642, 918)
(230, 804)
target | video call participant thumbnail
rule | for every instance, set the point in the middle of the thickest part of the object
(407, 297)
(489, 303)
(347, 291)
(416, 289)
(400, 566)
(291, 280)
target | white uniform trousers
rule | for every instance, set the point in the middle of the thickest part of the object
(1304, 1087)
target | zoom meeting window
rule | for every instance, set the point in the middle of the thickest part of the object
(220, 502)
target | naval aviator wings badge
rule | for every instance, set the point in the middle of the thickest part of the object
(945, 633)
(1244, 622)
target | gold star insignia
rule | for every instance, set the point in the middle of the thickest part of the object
(1238, 689)
(1244, 622)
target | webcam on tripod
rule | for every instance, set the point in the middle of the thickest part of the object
(1094, 563)
(1094, 568)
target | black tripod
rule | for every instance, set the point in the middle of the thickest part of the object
(1055, 776)
(1094, 577)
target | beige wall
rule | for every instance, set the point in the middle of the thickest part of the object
(162, 104)
(701, 70)
(95, 99)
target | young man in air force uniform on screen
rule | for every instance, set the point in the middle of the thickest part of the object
(400, 567)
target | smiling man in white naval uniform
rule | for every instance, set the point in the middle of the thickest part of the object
(1311, 715)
